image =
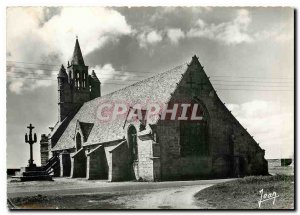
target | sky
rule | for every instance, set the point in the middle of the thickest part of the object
(247, 52)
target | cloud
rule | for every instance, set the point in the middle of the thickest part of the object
(22, 80)
(149, 38)
(20, 86)
(162, 12)
(271, 124)
(232, 32)
(280, 34)
(16, 86)
(152, 37)
(37, 35)
(175, 34)
(107, 73)
(237, 31)
(243, 18)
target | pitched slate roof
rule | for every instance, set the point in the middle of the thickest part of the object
(155, 89)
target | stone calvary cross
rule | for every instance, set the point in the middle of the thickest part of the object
(32, 172)
(30, 141)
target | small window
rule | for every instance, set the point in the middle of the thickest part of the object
(78, 141)
(155, 137)
(132, 140)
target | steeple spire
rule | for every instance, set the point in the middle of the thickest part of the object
(77, 58)
(62, 72)
(94, 76)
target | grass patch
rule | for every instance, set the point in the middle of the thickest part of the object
(244, 193)
(94, 201)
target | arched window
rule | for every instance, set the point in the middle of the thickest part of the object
(78, 141)
(132, 141)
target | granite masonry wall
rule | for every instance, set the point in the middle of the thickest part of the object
(232, 151)
(97, 165)
(78, 164)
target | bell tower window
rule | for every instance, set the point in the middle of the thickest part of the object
(77, 79)
(84, 80)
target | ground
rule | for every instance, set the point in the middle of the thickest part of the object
(66, 193)
(244, 193)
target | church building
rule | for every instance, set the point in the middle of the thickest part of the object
(148, 149)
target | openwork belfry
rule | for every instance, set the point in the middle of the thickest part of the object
(217, 146)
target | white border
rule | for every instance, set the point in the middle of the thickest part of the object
(6, 3)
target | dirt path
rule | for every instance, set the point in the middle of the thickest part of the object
(167, 198)
(175, 198)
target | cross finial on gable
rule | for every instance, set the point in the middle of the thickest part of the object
(195, 61)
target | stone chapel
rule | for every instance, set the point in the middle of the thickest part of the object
(83, 146)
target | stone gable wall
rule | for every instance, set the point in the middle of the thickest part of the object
(223, 128)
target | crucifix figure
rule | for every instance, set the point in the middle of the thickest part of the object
(30, 141)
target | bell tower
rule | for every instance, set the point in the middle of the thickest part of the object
(78, 77)
(75, 85)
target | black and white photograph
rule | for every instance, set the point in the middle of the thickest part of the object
(166, 108)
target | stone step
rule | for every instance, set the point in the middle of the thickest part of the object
(35, 178)
(34, 173)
